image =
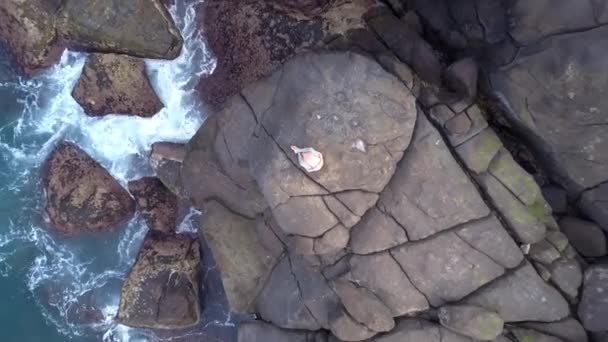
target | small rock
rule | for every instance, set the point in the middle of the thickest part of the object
(478, 152)
(116, 84)
(585, 236)
(162, 289)
(543, 252)
(593, 307)
(557, 198)
(461, 77)
(364, 306)
(80, 194)
(473, 321)
(157, 204)
(376, 232)
(567, 275)
(346, 329)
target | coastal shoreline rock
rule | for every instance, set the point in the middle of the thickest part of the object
(80, 194)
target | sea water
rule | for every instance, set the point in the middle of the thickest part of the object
(55, 288)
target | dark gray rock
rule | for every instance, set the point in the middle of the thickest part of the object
(263, 332)
(418, 330)
(593, 307)
(567, 275)
(593, 203)
(445, 268)
(521, 295)
(490, 237)
(586, 237)
(375, 233)
(430, 192)
(364, 306)
(162, 289)
(472, 321)
(382, 275)
(557, 198)
(461, 77)
(243, 261)
(525, 335)
(569, 330)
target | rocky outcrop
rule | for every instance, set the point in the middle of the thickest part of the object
(37, 32)
(391, 225)
(116, 84)
(80, 194)
(250, 39)
(29, 30)
(162, 289)
(142, 29)
(157, 204)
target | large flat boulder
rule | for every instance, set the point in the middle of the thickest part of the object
(80, 194)
(142, 28)
(162, 289)
(116, 84)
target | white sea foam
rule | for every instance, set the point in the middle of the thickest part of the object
(63, 272)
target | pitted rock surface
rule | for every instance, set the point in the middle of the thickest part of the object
(158, 205)
(80, 194)
(116, 84)
(162, 289)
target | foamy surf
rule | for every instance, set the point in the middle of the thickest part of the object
(76, 282)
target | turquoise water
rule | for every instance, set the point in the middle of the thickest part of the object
(54, 288)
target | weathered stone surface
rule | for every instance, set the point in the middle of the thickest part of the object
(544, 252)
(515, 178)
(376, 232)
(567, 275)
(166, 160)
(417, 330)
(461, 77)
(143, 29)
(306, 216)
(341, 211)
(262, 332)
(80, 194)
(243, 261)
(594, 204)
(206, 176)
(522, 295)
(430, 192)
(28, 29)
(332, 243)
(569, 330)
(472, 321)
(445, 268)
(116, 84)
(527, 227)
(556, 99)
(524, 335)
(557, 198)
(280, 302)
(347, 329)
(593, 307)
(382, 275)
(478, 152)
(489, 237)
(157, 204)
(252, 38)
(358, 201)
(364, 306)
(162, 289)
(586, 237)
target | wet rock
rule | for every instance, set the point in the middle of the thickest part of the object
(244, 263)
(80, 194)
(521, 295)
(593, 307)
(421, 196)
(157, 204)
(557, 198)
(445, 268)
(28, 29)
(162, 289)
(364, 306)
(166, 159)
(586, 237)
(251, 39)
(262, 332)
(382, 275)
(143, 29)
(471, 321)
(116, 84)
(569, 330)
